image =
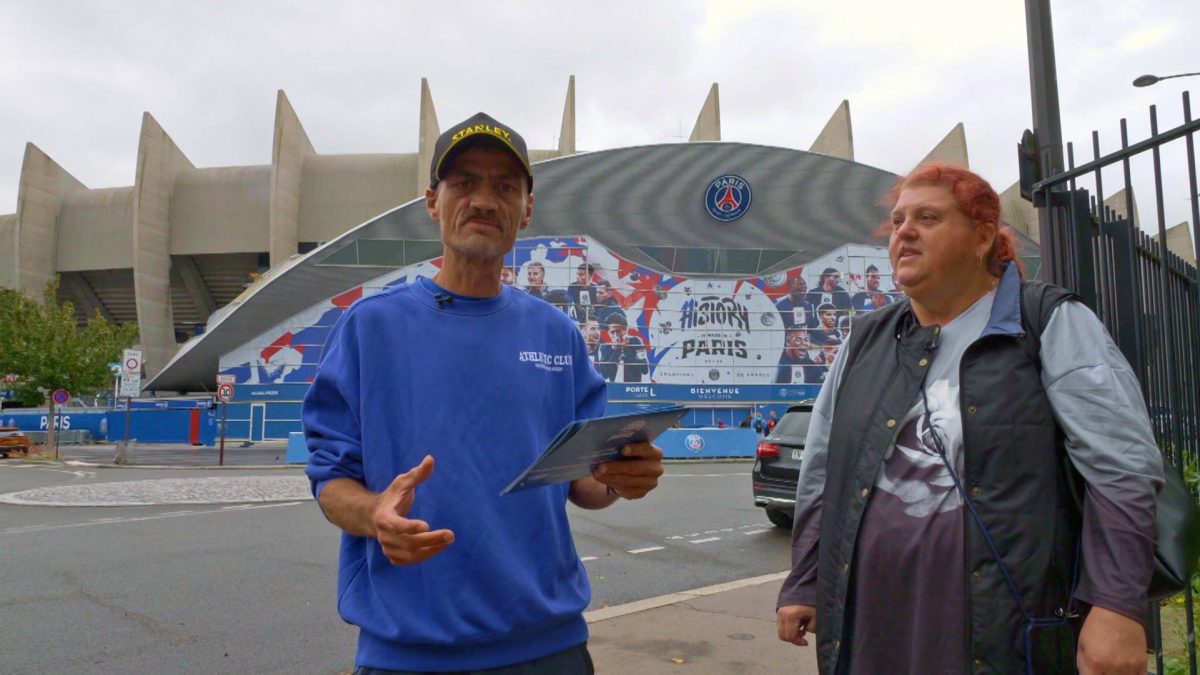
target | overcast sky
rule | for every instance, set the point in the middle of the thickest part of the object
(75, 77)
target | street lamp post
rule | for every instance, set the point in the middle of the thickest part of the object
(1147, 80)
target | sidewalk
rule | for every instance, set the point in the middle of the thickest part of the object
(729, 628)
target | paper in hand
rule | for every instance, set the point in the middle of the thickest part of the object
(583, 444)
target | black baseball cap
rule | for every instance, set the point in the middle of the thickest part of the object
(481, 128)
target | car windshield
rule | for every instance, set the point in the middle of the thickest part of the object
(793, 425)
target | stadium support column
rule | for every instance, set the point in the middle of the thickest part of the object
(952, 149)
(288, 152)
(708, 122)
(40, 195)
(159, 162)
(566, 134)
(8, 251)
(1019, 213)
(426, 138)
(837, 138)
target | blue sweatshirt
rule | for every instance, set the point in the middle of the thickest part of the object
(483, 385)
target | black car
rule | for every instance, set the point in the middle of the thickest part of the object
(777, 465)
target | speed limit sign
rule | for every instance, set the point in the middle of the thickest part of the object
(225, 392)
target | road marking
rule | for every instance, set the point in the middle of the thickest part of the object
(587, 558)
(755, 532)
(648, 549)
(115, 521)
(704, 541)
(615, 611)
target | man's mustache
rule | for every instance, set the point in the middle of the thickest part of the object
(479, 216)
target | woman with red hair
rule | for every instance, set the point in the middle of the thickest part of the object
(934, 532)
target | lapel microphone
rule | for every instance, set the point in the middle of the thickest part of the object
(442, 299)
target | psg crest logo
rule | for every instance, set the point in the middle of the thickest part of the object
(727, 198)
(694, 442)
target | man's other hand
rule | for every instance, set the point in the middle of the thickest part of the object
(406, 541)
(636, 473)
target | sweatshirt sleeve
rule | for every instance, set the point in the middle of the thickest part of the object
(330, 414)
(800, 586)
(1098, 403)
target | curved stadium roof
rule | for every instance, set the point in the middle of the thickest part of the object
(634, 200)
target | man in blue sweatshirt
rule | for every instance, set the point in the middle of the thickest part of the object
(437, 570)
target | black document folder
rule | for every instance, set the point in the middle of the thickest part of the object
(583, 444)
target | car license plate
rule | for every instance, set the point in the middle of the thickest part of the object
(797, 454)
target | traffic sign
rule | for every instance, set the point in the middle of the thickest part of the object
(131, 361)
(131, 385)
(225, 392)
(226, 378)
(60, 396)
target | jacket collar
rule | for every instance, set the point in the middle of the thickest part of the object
(1006, 307)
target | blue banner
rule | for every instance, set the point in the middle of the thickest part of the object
(667, 393)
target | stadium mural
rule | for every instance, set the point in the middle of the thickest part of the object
(642, 327)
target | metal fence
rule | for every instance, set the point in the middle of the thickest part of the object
(1148, 297)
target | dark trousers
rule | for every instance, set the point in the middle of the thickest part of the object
(573, 661)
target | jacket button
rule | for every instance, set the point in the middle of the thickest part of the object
(976, 574)
(846, 568)
(972, 409)
(977, 663)
(837, 644)
(976, 490)
(866, 491)
(923, 362)
(891, 423)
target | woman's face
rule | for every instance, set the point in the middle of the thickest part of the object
(933, 244)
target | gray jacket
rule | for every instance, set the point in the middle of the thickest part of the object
(1019, 417)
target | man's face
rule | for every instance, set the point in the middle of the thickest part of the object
(537, 275)
(872, 281)
(878, 299)
(581, 276)
(481, 203)
(507, 277)
(602, 294)
(797, 289)
(591, 332)
(830, 281)
(830, 351)
(616, 333)
(829, 319)
(796, 343)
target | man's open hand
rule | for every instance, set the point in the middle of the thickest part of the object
(406, 541)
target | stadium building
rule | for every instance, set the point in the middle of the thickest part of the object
(717, 274)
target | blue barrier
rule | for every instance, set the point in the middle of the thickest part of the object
(297, 449)
(72, 420)
(162, 426)
(707, 443)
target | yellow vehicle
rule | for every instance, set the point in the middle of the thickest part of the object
(13, 441)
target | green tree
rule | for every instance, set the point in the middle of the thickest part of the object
(42, 346)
